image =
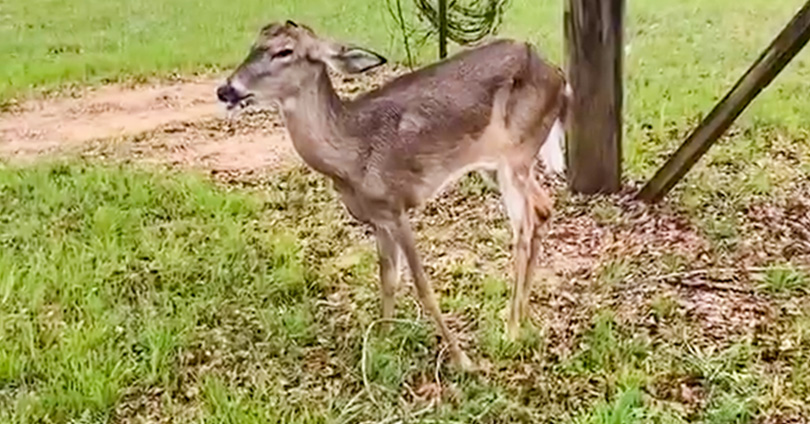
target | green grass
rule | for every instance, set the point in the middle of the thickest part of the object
(681, 56)
(131, 293)
(785, 280)
(106, 275)
(49, 44)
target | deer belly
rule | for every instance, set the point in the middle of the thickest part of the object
(442, 182)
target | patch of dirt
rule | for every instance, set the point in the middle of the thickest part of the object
(246, 146)
(725, 314)
(779, 229)
(597, 252)
(141, 406)
(625, 249)
(42, 126)
(179, 124)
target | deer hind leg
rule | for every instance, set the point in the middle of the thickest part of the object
(527, 206)
(401, 232)
(541, 207)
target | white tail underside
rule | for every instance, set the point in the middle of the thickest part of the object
(552, 153)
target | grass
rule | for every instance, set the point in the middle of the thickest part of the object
(785, 280)
(130, 294)
(136, 295)
(52, 44)
(680, 56)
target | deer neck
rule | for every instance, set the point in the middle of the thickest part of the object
(312, 118)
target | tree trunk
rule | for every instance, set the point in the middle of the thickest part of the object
(593, 33)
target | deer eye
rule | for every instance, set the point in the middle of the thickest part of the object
(282, 53)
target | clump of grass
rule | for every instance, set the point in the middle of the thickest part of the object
(663, 307)
(615, 272)
(732, 386)
(785, 279)
(605, 350)
(626, 408)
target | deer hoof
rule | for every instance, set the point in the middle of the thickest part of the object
(463, 362)
(512, 330)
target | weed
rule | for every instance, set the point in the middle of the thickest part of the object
(785, 280)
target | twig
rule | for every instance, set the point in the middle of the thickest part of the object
(681, 276)
(405, 35)
(713, 286)
(438, 365)
(704, 271)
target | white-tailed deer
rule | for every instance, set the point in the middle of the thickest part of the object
(495, 108)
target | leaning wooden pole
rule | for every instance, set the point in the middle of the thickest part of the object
(593, 34)
(786, 45)
(442, 29)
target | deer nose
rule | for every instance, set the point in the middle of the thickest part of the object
(227, 94)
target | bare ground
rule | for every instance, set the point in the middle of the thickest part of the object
(179, 124)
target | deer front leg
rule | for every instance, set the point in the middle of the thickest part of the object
(404, 237)
(388, 253)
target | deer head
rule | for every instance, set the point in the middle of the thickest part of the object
(286, 57)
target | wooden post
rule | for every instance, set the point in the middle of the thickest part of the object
(786, 45)
(442, 29)
(593, 34)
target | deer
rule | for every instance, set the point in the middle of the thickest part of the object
(497, 108)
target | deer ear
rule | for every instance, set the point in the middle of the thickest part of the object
(353, 60)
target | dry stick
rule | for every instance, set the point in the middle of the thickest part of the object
(697, 272)
(769, 64)
(710, 286)
(438, 365)
(704, 271)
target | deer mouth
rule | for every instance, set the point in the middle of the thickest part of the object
(234, 98)
(240, 103)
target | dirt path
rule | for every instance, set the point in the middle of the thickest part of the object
(176, 123)
(111, 111)
(180, 123)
